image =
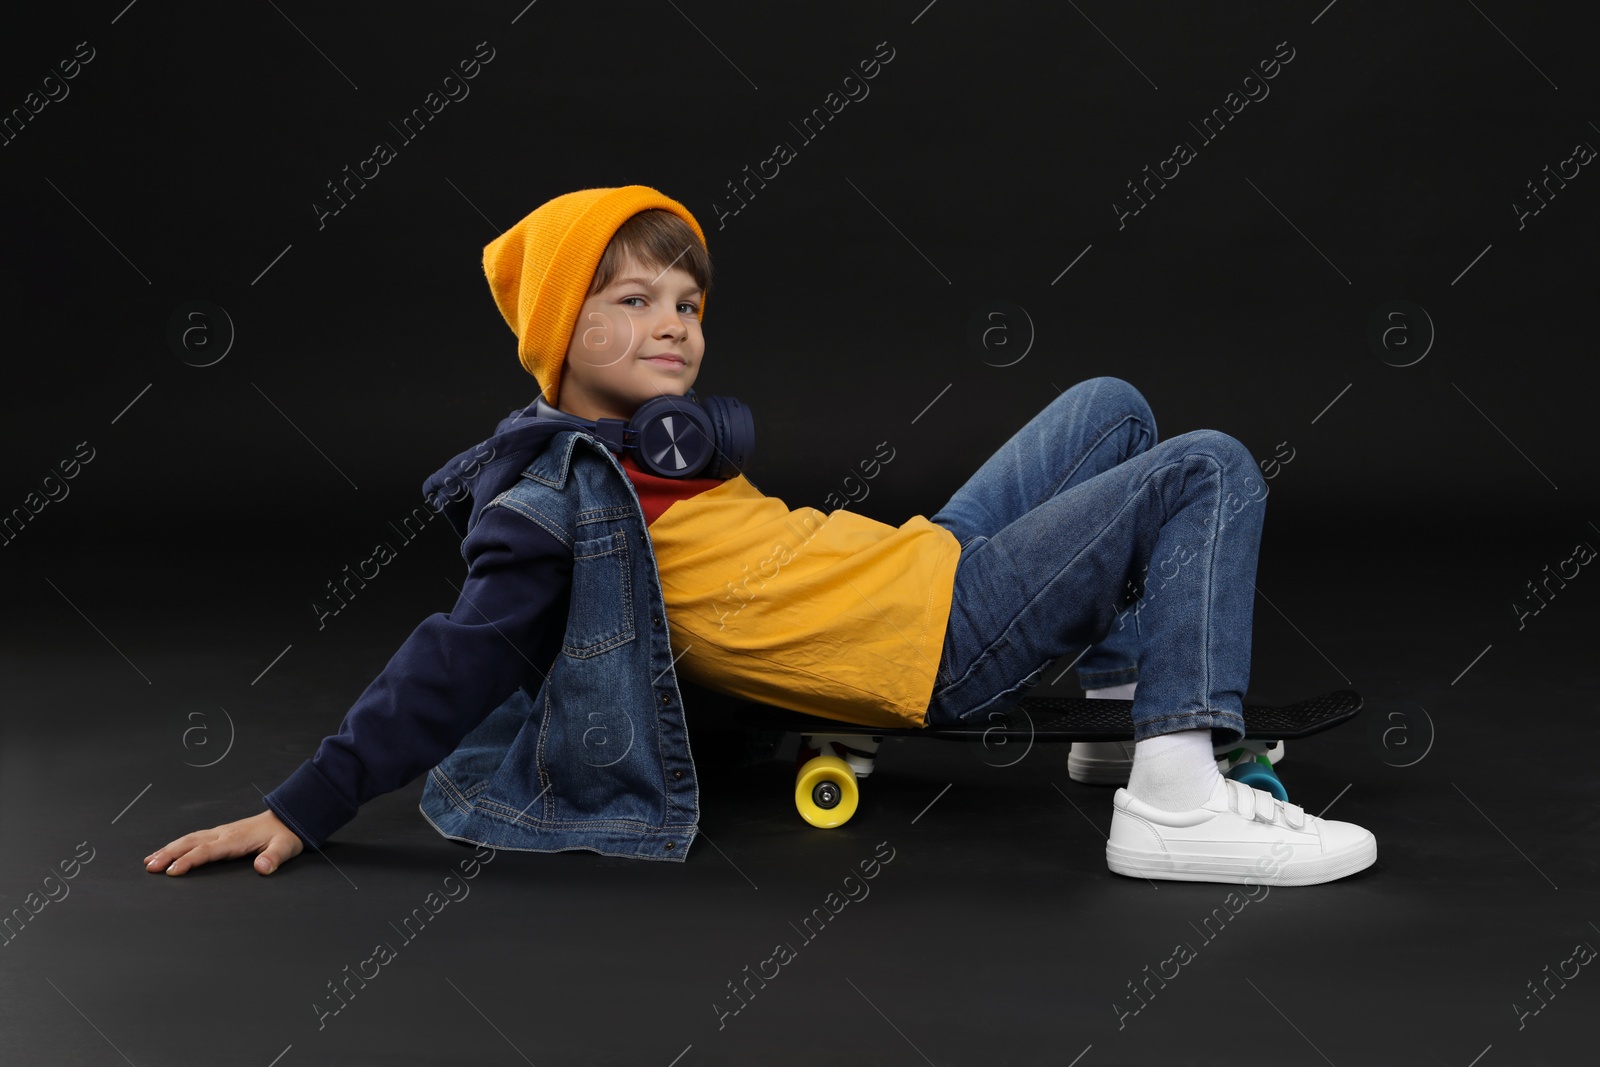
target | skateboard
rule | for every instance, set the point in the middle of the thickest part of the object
(827, 788)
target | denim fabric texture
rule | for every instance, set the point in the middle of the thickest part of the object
(1085, 529)
(597, 757)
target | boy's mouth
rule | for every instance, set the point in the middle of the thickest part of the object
(670, 362)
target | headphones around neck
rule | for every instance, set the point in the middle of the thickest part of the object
(676, 436)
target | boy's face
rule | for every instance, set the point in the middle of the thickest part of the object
(614, 362)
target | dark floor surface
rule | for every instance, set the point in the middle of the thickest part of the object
(994, 935)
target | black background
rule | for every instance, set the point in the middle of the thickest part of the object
(986, 159)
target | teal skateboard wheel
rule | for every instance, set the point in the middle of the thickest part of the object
(1258, 774)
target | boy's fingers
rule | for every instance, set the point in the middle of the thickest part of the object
(199, 856)
(163, 856)
(206, 846)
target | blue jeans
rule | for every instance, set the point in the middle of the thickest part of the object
(1082, 532)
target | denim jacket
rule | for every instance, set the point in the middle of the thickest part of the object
(546, 703)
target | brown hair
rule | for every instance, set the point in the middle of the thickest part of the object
(656, 238)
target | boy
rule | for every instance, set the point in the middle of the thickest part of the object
(546, 703)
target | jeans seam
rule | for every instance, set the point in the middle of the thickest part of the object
(1211, 568)
(1211, 562)
(1106, 433)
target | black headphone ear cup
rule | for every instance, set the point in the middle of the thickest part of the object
(719, 436)
(735, 435)
(674, 437)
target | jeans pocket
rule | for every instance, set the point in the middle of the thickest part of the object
(600, 614)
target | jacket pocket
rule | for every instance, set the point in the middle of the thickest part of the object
(600, 615)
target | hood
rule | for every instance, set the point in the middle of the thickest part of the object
(460, 488)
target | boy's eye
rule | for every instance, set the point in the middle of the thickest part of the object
(693, 308)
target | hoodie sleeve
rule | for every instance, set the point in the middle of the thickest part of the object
(445, 679)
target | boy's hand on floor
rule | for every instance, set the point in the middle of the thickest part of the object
(265, 834)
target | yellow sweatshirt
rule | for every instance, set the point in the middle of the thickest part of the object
(833, 614)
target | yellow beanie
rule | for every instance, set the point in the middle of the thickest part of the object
(540, 270)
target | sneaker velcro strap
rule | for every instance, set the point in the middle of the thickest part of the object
(1241, 798)
(1293, 814)
(1275, 810)
(1262, 806)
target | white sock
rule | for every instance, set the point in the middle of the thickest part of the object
(1116, 692)
(1175, 771)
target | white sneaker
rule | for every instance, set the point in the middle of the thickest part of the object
(1110, 762)
(1100, 762)
(1239, 835)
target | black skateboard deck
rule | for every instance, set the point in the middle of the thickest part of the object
(1074, 719)
(826, 787)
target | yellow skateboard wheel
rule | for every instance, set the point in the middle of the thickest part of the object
(825, 792)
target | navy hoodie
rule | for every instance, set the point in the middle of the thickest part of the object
(454, 669)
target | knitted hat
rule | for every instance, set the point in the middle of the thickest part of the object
(540, 270)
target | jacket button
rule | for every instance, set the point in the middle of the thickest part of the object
(677, 774)
(665, 699)
(655, 620)
(671, 845)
